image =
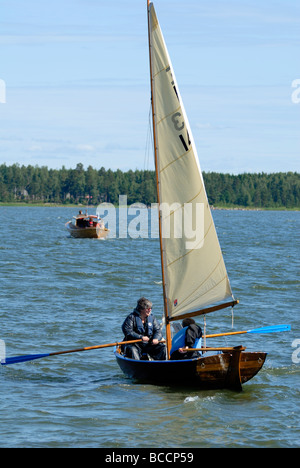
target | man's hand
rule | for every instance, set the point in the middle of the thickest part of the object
(146, 339)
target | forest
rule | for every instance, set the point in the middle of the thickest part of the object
(33, 184)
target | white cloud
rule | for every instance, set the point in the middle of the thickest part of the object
(85, 147)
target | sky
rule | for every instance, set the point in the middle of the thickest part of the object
(74, 82)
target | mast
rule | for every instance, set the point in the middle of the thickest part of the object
(167, 321)
(194, 275)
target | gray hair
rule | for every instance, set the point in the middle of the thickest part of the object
(143, 303)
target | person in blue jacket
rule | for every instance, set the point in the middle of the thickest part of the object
(188, 337)
(141, 324)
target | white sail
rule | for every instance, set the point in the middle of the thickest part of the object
(194, 270)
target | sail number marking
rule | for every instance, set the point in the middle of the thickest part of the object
(177, 119)
(179, 126)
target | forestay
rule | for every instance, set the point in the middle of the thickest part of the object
(194, 270)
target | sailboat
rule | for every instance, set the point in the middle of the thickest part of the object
(194, 276)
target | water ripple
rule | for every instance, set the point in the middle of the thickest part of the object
(59, 293)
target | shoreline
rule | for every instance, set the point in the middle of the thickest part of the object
(79, 206)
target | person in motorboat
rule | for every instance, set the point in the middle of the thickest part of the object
(141, 324)
(188, 337)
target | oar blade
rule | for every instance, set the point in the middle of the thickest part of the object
(17, 359)
(271, 329)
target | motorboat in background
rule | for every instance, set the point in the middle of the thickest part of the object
(85, 226)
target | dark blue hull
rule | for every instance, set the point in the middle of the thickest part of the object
(226, 370)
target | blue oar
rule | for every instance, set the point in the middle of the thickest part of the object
(29, 357)
(32, 357)
(270, 329)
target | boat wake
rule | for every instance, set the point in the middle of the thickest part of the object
(191, 399)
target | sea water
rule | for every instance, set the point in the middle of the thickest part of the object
(60, 293)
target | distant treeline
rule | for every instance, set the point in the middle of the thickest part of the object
(64, 186)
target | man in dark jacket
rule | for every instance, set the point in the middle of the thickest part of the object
(141, 324)
(189, 336)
